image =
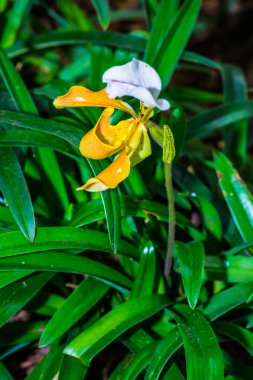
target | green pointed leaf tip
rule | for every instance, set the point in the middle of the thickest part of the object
(103, 12)
(14, 188)
(191, 258)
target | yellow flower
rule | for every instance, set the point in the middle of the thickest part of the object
(129, 138)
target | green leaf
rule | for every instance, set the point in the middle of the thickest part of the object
(238, 248)
(110, 199)
(235, 90)
(113, 324)
(65, 131)
(209, 121)
(47, 238)
(4, 373)
(103, 12)
(160, 25)
(68, 263)
(14, 187)
(191, 258)
(74, 14)
(15, 19)
(79, 37)
(16, 85)
(202, 351)
(52, 182)
(211, 220)
(237, 196)
(17, 138)
(49, 365)
(150, 7)
(228, 299)
(173, 373)
(17, 333)
(15, 191)
(146, 275)
(72, 368)
(230, 269)
(15, 296)
(136, 340)
(48, 161)
(74, 308)
(237, 333)
(7, 277)
(174, 42)
(200, 60)
(139, 362)
(162, 353)
(178, 125)
(186, 94)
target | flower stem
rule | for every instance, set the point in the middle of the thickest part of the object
(172, 219)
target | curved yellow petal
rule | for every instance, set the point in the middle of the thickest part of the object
(79, 96)
(111, 176)
(106, 139)
(94, 144)
(142, 149)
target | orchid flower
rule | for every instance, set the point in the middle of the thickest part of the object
(129, 138)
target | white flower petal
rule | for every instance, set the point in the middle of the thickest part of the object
(136, 73)
(144, 95)
(163, 104)
(119, 89)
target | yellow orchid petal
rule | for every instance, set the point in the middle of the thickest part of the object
(142, 149)
(106, 139)
(111, 176)
(79, 96)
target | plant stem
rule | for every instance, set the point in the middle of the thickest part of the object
(172, 219)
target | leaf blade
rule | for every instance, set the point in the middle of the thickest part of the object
(191, 258)
(124, 316)
(203, 354)
(15, 191)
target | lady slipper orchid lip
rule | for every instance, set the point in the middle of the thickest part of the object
(136, 79)
(129, 138)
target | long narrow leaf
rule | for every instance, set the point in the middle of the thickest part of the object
(237, 196)
(75, 307)
(203, 354)
(220, 117)
(16, 16)
(191, 259)
(15, 191)
(15, 296)
(166, 59)
(47, 238)
(162, 353)
(62, 262)
(113, 324)
(235, 90)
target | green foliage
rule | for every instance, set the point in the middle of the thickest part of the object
(85, 281)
